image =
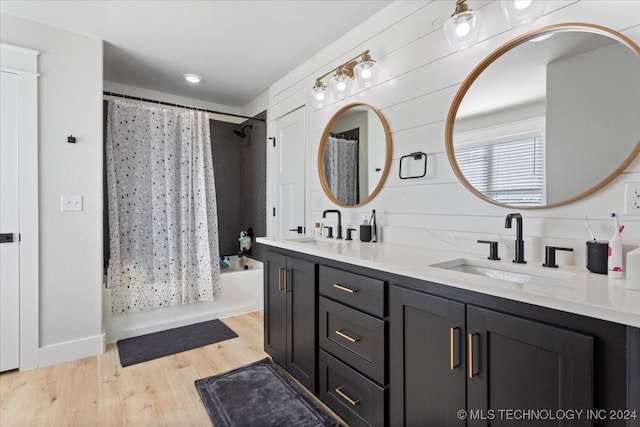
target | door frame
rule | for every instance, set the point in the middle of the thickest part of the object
(272, 170)
(24, 63)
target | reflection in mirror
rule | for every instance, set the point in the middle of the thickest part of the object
(354, 155)
(544, 121)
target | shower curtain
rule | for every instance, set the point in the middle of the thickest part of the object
(341, 169)
(163, 229)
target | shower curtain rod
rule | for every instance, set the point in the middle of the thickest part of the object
(155, 101)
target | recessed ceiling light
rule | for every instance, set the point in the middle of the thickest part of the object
(192, 78)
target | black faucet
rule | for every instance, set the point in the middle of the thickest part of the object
(324, 215)
(550, 255)
(519, 259)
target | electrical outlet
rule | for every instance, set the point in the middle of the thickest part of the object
(632, 198)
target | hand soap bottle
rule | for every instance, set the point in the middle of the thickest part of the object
(614, 260)
(365, 230)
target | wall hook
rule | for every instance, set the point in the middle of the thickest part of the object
(71, 139)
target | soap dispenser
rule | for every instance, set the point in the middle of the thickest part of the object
(365, 230)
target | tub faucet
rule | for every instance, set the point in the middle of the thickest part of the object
(519, 259)
(324, 215)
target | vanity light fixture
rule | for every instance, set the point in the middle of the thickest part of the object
(341, 82)
(521, 12)
(366, 71)
(362, 68)
(462, 29)
(319, 93)
(192, 78)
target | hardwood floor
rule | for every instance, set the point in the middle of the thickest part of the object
(98, 391)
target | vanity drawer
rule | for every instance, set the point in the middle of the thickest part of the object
(364, 293)
(357, 400)
(354, 337)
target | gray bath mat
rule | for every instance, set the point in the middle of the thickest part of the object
(159, 344)
(259, 395)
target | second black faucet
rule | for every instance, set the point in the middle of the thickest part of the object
(519, 258)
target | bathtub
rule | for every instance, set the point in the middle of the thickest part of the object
(241, 292)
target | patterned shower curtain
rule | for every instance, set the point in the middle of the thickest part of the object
(162, 211)
(341, 169)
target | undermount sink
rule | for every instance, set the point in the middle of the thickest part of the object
(310, 240)
(516, 273)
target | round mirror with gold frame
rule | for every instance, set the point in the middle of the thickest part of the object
(548, 118)
(354, 156)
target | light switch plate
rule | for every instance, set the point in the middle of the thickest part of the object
(71, 203)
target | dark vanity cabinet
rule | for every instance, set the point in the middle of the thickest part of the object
(353, 371)
(447, 357)
(391, 350)
(290, 316)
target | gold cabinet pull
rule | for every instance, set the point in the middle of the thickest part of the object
(347, 337)
(452, 348)
(344, 288)
(286, 281)
(280, 270)
(472, 372)
(347, 398)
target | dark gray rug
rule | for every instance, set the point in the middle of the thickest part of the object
(159, 344)
(259, 395)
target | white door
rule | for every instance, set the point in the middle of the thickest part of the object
(9, 225)
(290, 173)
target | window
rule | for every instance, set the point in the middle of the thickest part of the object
(509, 172)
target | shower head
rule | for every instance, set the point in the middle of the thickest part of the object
(240, 131)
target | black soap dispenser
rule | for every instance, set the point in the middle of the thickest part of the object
(365, 230)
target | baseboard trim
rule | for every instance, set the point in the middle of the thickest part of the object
(71, 350)
(117, 333)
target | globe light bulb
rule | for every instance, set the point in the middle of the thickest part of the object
(462, 29)
(522, 4)
(366, 72)
(521, 12)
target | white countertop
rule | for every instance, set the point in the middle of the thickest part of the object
(583, 293)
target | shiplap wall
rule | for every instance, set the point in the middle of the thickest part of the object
(420, 75)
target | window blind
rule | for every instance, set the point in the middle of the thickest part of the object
(510, 172)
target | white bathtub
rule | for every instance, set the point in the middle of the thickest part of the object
(241, 292)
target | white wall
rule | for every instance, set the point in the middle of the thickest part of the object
(597, 125)
(419, 78)
(70, 102)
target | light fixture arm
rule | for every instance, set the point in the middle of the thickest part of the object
(461, 6)
(345, 66)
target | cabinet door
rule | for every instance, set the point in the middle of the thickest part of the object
(427, 363)
(520, 364)
(301, 292)
(275, 307)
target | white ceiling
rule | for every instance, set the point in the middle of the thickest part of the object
(239, 47)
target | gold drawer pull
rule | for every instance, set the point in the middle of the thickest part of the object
(345, 397)
(472, 371)
(452, 348)
(280, 279)
(347, 337)
(344, 288)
